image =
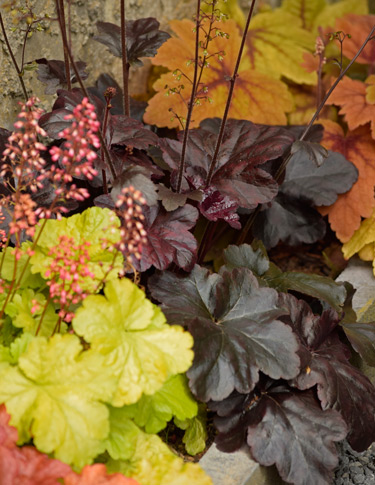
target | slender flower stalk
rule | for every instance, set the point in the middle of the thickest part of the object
(125, 63)
(230, 95)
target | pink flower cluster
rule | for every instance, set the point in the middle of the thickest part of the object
(66, 273)
(129, 209)
(23, 149)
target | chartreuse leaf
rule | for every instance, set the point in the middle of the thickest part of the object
(95, 226)
(53, 396)
(362, 241)
(19, 309)
(319, 13)
(153, 463)
(174, 399)
(306, 10)
(141, 349)
(123, 434)
(28, 280)
(12, 353)
(195, 431)
(230, 8)
(276, 43)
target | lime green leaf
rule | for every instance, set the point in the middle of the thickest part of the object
(128, 329)
(330, 13)
(276, 44)
(123, 434)
(230, 8)
(174, 399)
(195, 432)
(53, 396)
(29, 280)
(362, 237)
(306, 10)
(12, 353)
(20, 311)
(8, 331)
(95, 226)
(153, 463)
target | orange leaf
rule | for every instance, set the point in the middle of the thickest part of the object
(359, 148)
(257, 97)
(97, 475)
(357, 101)
(358, 26)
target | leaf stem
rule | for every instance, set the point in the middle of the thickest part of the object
(284, 163)
(229, 98)
(61, 18)
(19, 72)
(100, 134)
(125, 64)
(194, 87)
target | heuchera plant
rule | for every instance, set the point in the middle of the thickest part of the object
(98, 206)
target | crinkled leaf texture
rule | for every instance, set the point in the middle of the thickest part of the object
(94, 226)
(168, 238)
(235, 328)
(25, 466)
(340, 386)
(174, 399)
(131, 333)
(143, 38)
(283, 428)
(54, 394)
(153, 463)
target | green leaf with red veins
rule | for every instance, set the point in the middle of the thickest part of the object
(235, 328)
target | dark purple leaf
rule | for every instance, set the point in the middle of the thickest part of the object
(235, 329)
(53, 74)
(313, 151)
(55, 122)
(287, 429)
(237, 175)
(173, 200)
(216, 206)
(320, 185)
(138, 178)
(168, 238)
(340, 385)
(289, 220)
(143, 38)
(245, 256)
(131, 133)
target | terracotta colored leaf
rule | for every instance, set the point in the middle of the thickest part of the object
(97, 475)
(327, 16)
(257, 96)
(276, 43)
(358, 26)
(357, 101)
(359, 148)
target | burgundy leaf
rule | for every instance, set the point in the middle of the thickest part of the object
(143, 38)
(168, 238)
(244, 256)
(130, 132)
(287, 429)
(289, 220)
(53, 74)
(340, 385)
(139, 179)
(235, 329)
(237, 174)
(216, 206)
(55, 122)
